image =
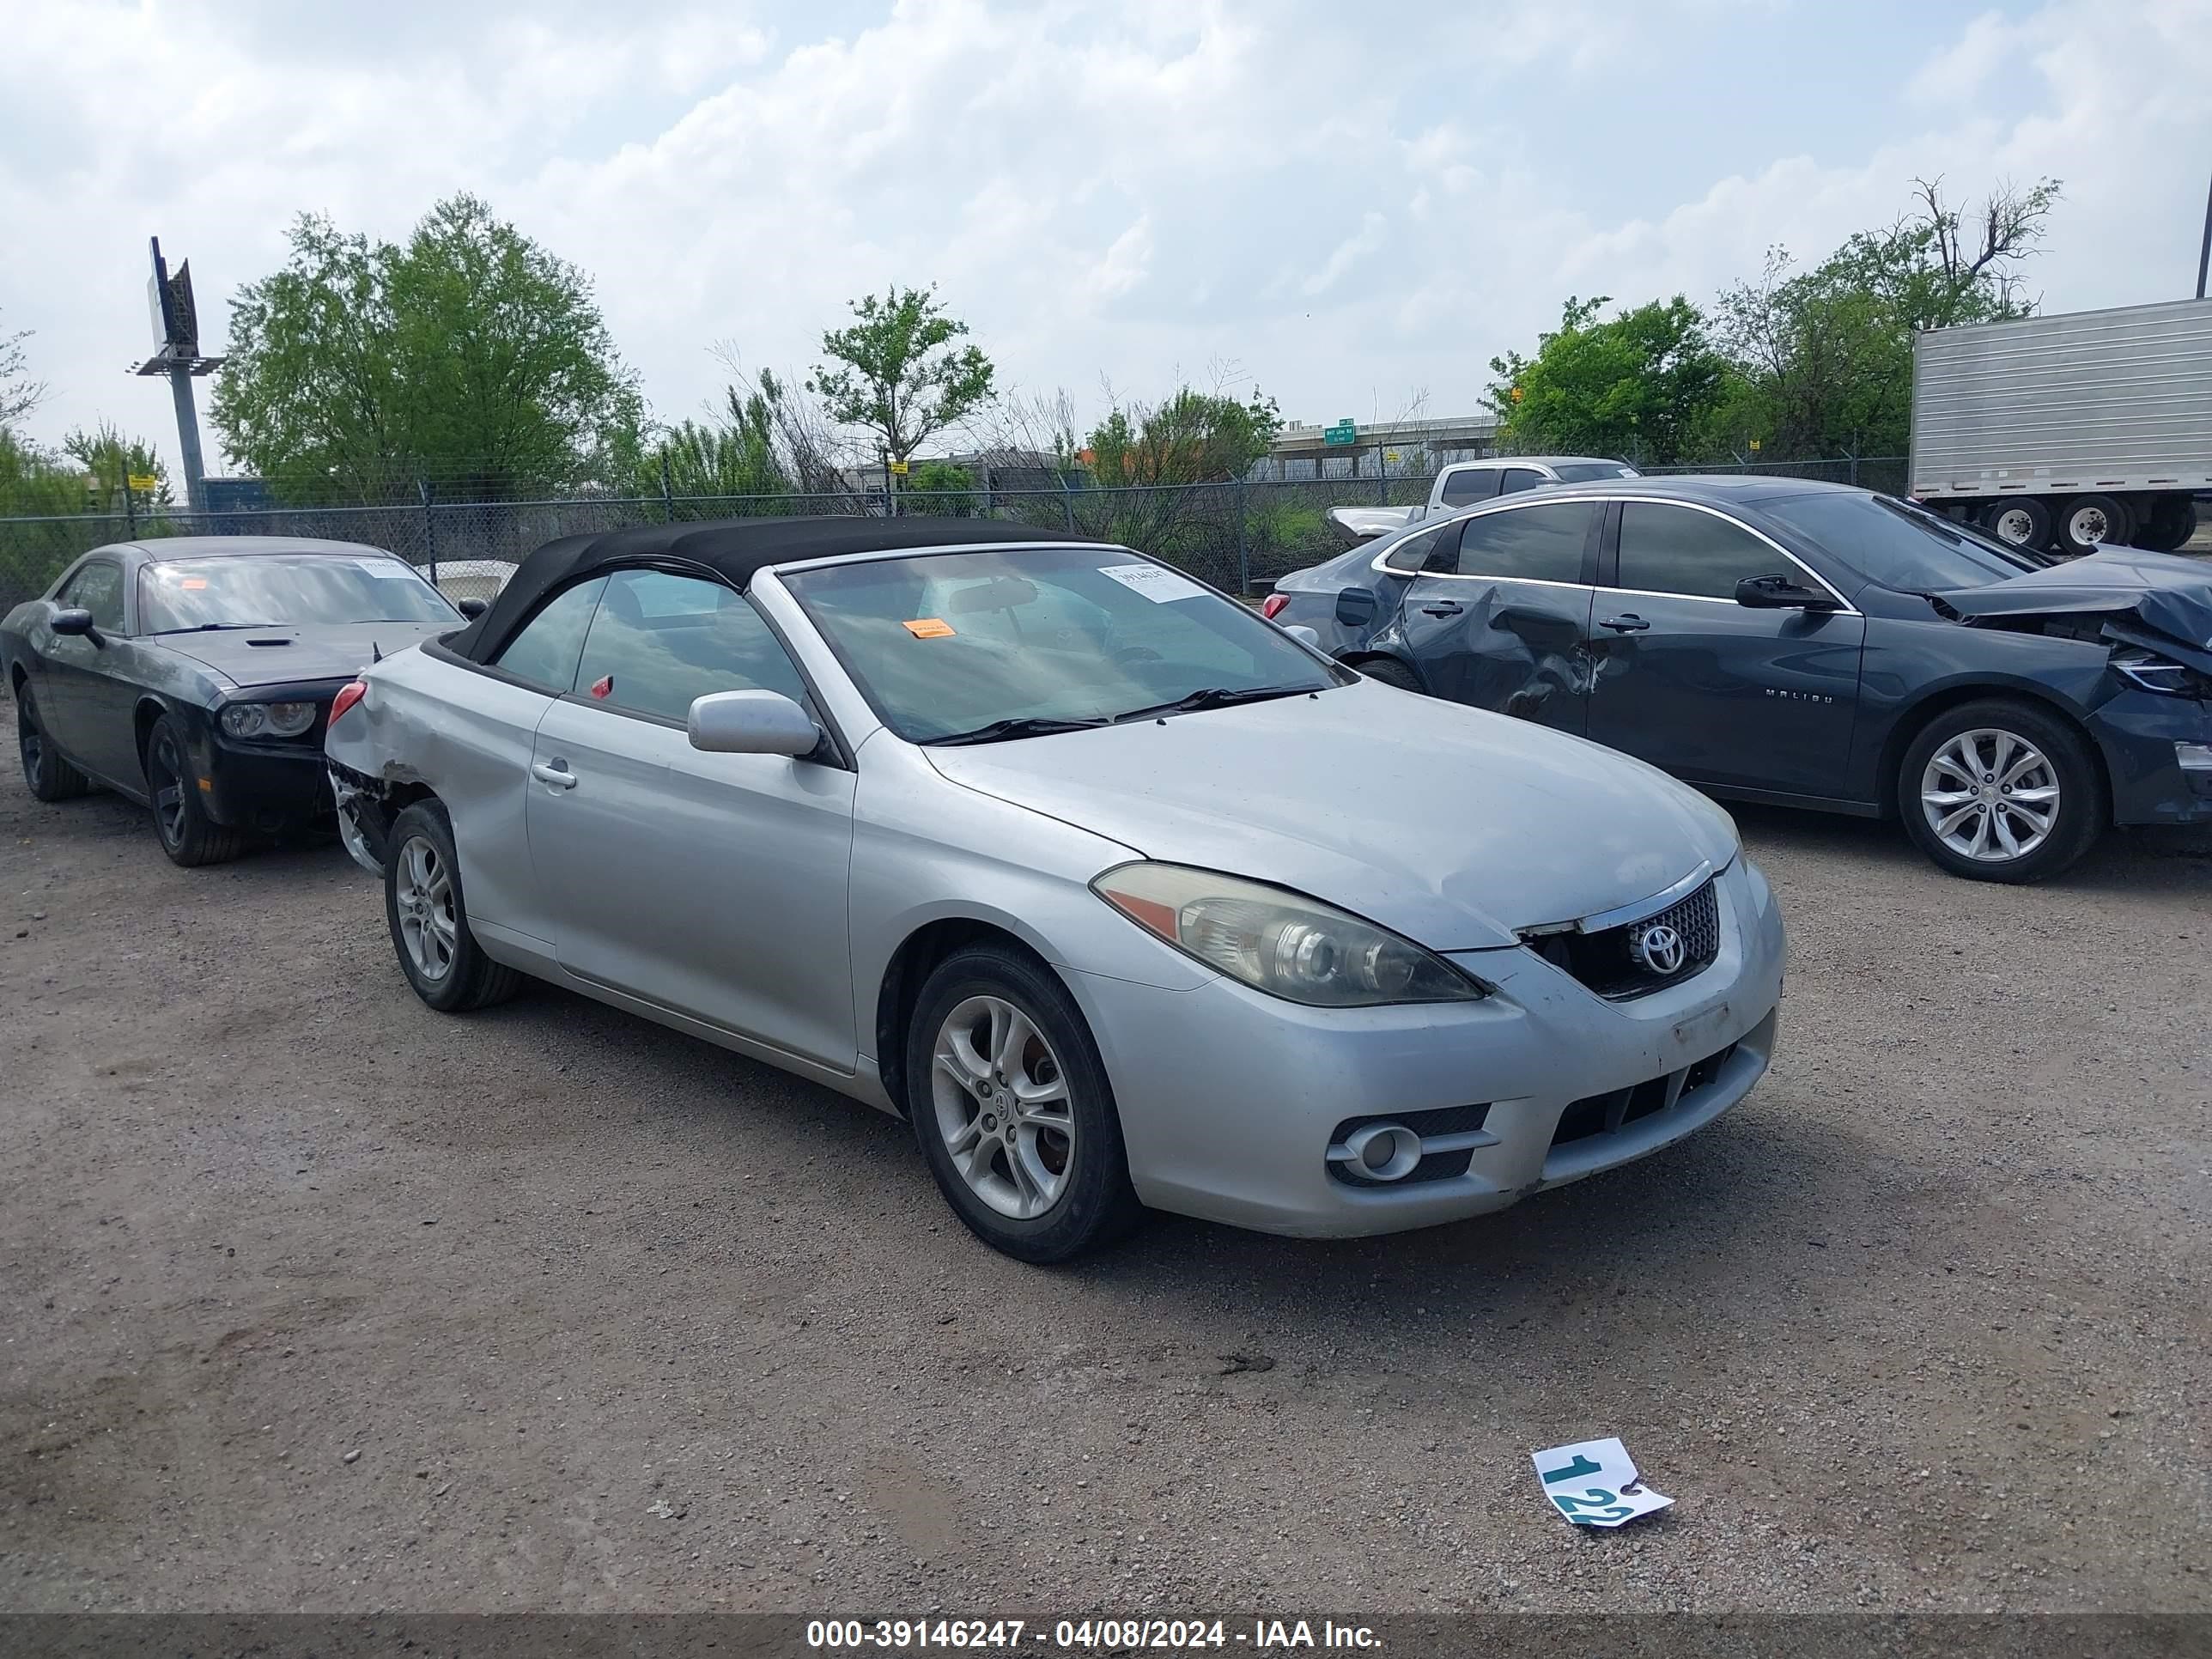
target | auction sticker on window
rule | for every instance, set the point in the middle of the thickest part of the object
(1156, 582)
(1594, 1483)
(930, 627)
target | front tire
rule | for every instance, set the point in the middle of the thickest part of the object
(51, 778)
(428, 917)
(1013, 1110)
(2001, 791)
(188, 835)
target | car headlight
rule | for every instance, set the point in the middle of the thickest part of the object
(1279, 942)
(268, 719)
(2154, 673)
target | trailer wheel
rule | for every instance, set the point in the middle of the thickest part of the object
(2021, 522)
(2172, 522)
(2087, 522)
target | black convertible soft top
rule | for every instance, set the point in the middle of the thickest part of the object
(733, 549)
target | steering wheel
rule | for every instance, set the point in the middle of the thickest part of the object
(1129, 653)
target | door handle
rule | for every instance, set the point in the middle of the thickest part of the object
(1627, 622)
(1443, 608)
(554, 773)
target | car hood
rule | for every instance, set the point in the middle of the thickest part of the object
(280, 656)
(2168, 596)
(1451, 826)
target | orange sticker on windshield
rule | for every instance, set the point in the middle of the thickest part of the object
(930, 627)
(193, 584)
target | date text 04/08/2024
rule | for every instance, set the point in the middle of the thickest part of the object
(1117, 1635)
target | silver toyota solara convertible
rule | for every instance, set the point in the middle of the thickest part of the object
(1121, 895)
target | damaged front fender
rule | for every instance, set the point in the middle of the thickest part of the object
(2158, 601)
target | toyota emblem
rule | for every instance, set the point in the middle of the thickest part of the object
(1658, 947)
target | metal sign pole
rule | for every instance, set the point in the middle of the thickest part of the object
(188, 437)
(2204, 255)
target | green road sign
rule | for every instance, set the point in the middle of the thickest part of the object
(1344, 432)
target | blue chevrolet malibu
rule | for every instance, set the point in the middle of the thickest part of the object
(1808, 645)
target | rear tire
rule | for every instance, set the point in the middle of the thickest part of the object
(188, 835)
(1013, 1110)
(51, 778)
(428, 918)
(2000, 790)
(2088, 522)
(1392, 673)
(2017, 521)
(2172, 522)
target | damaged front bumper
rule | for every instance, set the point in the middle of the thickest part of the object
(363, 818)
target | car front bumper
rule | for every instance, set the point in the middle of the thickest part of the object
(2147, 742)
(260, 787)
(1230, 1100)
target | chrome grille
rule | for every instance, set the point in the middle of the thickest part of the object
(1607, 962)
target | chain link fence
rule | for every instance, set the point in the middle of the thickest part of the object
(1240, 536)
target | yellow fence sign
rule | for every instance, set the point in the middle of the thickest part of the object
(145, 481)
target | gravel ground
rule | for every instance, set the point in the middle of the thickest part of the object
(319, 1300)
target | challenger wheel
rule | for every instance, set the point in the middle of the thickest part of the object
(2001, 791)
(50, 776)
(188, 835)
(1011, 1106)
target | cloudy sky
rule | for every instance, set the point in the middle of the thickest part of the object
(1354, 206)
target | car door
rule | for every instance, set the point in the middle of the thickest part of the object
(1498, 617)
(1712, 690)
(1467, 486)
(711, 884)
(1521, 478)
(77, 702)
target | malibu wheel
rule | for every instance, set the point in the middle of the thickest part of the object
(1012, 1107)
(1999, 791)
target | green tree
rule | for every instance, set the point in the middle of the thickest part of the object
(1825, 356)
(1194, 437)
(19, 393)
(733, 455)
(899, 372)
(470, 356)
(110, 460)
(940, 487)
(1644, 384)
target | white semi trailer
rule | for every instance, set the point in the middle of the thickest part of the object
(2065, 431)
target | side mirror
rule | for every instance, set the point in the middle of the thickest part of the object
(1780, 593)
(750, 723)
(472, 607)
(74, 620)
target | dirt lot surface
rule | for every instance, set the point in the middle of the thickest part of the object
(316, 1299)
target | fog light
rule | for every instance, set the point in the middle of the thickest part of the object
(1383, 1152)
(2194, 757)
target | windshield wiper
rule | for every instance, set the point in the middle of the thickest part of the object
(1027, 725)
(210, 628)
(1216, 696)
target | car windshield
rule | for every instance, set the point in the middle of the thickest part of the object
(1583, 471)
(286, 589)
(1897, 544)
(1008, 642)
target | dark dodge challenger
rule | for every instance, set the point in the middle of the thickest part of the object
(194, 674)
(1810, 644)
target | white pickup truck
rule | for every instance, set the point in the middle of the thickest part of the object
(1465, 483)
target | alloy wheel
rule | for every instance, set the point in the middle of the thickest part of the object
(165, 778)
(29, 740)
(2013, 526)
(1991, 795)
(422, 893)
(1002, 1106)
